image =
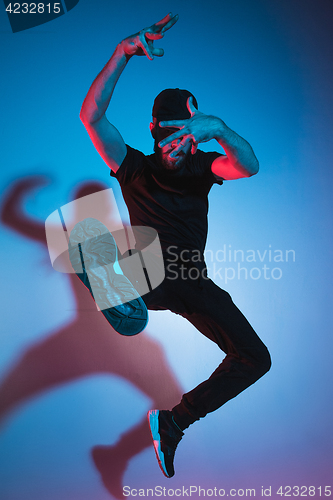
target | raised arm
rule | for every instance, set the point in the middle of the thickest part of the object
(240, 160)
(105, 137)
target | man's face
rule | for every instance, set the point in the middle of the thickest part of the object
(163, 154)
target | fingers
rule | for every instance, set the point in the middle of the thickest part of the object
(166, 23)
(170, 138)
(194, 148)
(153, 51)
(153, 36)
(190, 106)
(149, 50)
(183, 143)
(156, 32)
(149, 38)
(173, 123)
(170, 23)
(144, 46)
(157, 52)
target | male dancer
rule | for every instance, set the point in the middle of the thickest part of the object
(168, 191)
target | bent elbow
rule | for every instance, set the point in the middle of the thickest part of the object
(83, 117)
(254, 168)
(86, 114)
(88, 118)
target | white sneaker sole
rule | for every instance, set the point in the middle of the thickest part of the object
(93, 247)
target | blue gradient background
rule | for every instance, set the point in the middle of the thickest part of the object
(264, 67)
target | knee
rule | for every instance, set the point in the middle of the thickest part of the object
(268, 361)
(263, 362)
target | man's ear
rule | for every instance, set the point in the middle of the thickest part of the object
(152, 127)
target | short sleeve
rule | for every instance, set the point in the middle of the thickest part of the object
(131, 166)
(203, 163)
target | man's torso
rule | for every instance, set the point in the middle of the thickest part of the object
(175, 204)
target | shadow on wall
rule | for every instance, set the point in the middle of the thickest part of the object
(73, 352)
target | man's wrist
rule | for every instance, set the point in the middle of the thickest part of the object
(220, 130)
(120, 52)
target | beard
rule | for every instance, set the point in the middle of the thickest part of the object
(167, 163)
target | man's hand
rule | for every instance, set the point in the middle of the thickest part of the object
(240, 160)
(141, 43)
(198, 128)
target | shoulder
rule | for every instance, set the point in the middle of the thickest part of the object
(132, 165)
(200, 164)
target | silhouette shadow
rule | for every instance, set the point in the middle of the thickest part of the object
(88, 345)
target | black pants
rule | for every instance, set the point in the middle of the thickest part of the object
(212, 311)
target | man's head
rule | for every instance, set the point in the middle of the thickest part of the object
(170, 104)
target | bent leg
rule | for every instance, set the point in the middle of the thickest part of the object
(247, 358)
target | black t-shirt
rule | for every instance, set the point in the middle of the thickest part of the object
(174, 203)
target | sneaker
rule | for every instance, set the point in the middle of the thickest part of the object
(94, 256)
(166, 436)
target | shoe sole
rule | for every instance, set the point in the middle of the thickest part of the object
(93, 249)
(154, 426)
